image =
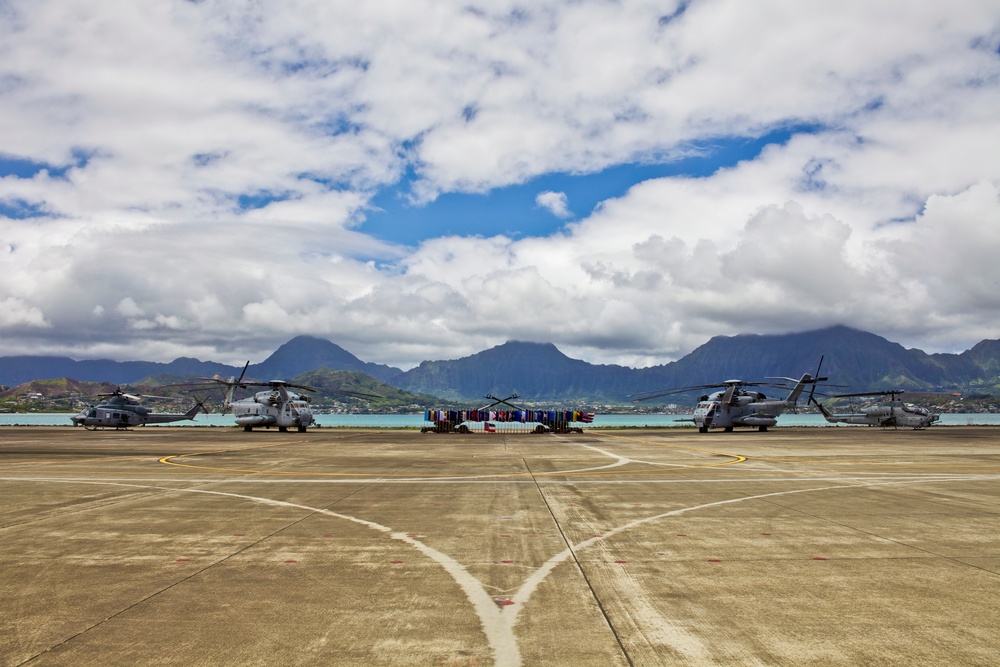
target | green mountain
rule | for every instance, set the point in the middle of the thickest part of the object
(338, 389)
(537, 371)
(541, 374)
(858, 360)
(306, 353)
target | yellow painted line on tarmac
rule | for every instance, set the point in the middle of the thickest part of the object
(167, 460)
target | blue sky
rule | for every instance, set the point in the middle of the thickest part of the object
(512, 210)
(415, 180)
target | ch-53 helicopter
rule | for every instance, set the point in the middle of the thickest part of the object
(122, 410)
(893, 412)
(734, 406)
(274, 406)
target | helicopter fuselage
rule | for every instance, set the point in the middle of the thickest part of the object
(893, 413)
(270, 408)
(747, 409)
(124, 415)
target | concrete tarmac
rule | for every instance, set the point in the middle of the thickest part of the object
(211, 546)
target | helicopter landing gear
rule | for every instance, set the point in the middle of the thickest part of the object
(702, 429)
(248, 428)
(302, 429)
(762, 429)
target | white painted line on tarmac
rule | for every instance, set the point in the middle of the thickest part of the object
(498, 624)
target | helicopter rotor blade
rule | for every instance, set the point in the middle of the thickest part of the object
(243, 372)
(812, 389)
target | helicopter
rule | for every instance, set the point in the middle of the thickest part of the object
(122, 410)
(734, 405)
(893, 412)
(274, 406)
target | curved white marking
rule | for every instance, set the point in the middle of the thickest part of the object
(498, 625)
(622, 460)
(499, 634)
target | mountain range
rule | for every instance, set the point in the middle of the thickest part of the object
(538, 372)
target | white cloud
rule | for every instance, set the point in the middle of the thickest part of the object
(16, 314)
(555, 202)
(207, 163)
(127, 307)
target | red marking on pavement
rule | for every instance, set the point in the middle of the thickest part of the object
(183, 560)
(239, 534)
(396, 562)
(765, 533)
(291, 560)
(621, 562)
(819, 558)
(506, 561)
(327, 535)
(504, 603)
(597, 535)
(681, 535)
(714, 560)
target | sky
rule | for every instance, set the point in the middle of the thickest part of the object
(425, 179)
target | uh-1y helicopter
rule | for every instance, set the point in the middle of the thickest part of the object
(734, 405)
(893, 412)
(122, 410)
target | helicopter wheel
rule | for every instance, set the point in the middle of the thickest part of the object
(762, 429)
(248, 428)
(302, 429)
(702, 429)
(282, 429)
(728, 429)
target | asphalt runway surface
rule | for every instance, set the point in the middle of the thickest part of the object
(212, 546)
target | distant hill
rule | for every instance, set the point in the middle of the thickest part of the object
(540, 373)
(17, 370)
(60, 388)
(537, 371)
(338, 387)
(862, 361)
(300, 354)
(855, 358)
(306, 353)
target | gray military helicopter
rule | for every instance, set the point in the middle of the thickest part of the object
(894, 412)
(274, 406)
(122, 410)
(734, 405)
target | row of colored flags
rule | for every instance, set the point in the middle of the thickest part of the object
(523, 416)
